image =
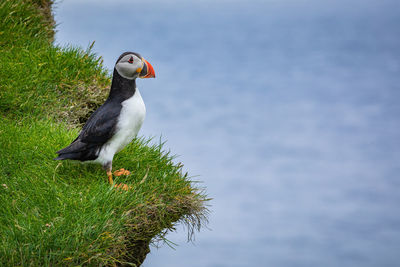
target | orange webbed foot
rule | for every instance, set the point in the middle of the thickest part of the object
(122, 172)
(123, 186)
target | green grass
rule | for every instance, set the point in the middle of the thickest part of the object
(65, 213)
(41, 79)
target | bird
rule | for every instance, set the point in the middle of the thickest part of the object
(115, 123)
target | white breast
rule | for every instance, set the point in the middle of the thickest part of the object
(129, 123)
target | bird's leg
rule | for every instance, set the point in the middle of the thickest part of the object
(110, 178)
(108, 168)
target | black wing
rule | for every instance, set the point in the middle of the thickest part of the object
(99, 128)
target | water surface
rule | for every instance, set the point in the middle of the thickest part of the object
(287, 110)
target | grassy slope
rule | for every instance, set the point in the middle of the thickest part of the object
(56, 213)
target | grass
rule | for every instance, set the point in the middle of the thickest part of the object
(64, 213)
(41, 79)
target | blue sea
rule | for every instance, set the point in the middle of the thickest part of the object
(288, 112)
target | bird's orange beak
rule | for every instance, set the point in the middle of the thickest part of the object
(147, 71)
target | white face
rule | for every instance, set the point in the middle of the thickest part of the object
(129, 66)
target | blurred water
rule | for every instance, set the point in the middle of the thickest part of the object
(288, 111)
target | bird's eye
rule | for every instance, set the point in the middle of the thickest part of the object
(130, 60)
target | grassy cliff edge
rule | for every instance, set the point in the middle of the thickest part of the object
(65, 213)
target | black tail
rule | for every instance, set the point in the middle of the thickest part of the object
(59, 158)
(78, 150)
(67, 156)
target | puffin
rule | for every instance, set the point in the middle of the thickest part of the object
(115, 123)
